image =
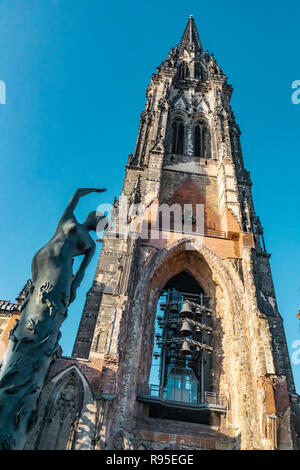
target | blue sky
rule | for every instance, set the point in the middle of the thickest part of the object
(76, 73)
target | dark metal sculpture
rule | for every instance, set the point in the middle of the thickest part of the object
(34, 338)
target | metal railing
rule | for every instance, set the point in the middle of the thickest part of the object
(208, 232)
(188, 397)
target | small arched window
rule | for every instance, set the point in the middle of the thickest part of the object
(201, 140)
(183, 71)
(197, 141)
(177, 136)
(198, 71)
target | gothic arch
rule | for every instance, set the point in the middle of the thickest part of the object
(178, 127)
(66, 414)
(198, 70)
(201, 136)
(202, 265)
(215, 264)
(183, 70)
(179, 113)
(200, 116)
(231, 313)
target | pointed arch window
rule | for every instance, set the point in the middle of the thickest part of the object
(179, 385)
(201, 140)
(61, 414)
(183, 71)
(181, 365)
(197, 140)
(177, 136)
(198, 71)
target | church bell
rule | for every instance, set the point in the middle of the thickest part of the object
(198, 310)
(185, 348)
(174, 307)
(186, 328)
(186, 310)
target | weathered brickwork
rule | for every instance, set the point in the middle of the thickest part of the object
(7, 320)
(9, 313)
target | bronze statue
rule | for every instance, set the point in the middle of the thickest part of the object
(34, 338)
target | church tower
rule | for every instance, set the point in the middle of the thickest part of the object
(182, 318)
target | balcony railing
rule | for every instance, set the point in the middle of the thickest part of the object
(207, 232)
(187, 397)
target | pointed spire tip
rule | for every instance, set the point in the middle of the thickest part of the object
(190, 36)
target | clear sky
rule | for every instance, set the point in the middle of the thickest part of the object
(76, 73)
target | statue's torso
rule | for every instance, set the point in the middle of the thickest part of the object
(71, 239)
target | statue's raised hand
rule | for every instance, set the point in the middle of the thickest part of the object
(84, 191)
(81, 192)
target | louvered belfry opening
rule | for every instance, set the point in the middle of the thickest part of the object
(181, 364)
(177, 136)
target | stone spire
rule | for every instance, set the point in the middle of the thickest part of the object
(190, 37)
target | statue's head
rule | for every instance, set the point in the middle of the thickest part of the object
(96, 221)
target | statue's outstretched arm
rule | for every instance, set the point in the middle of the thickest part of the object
(80, 273)
(75, 199)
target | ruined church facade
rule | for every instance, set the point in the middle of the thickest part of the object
(180, 344)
